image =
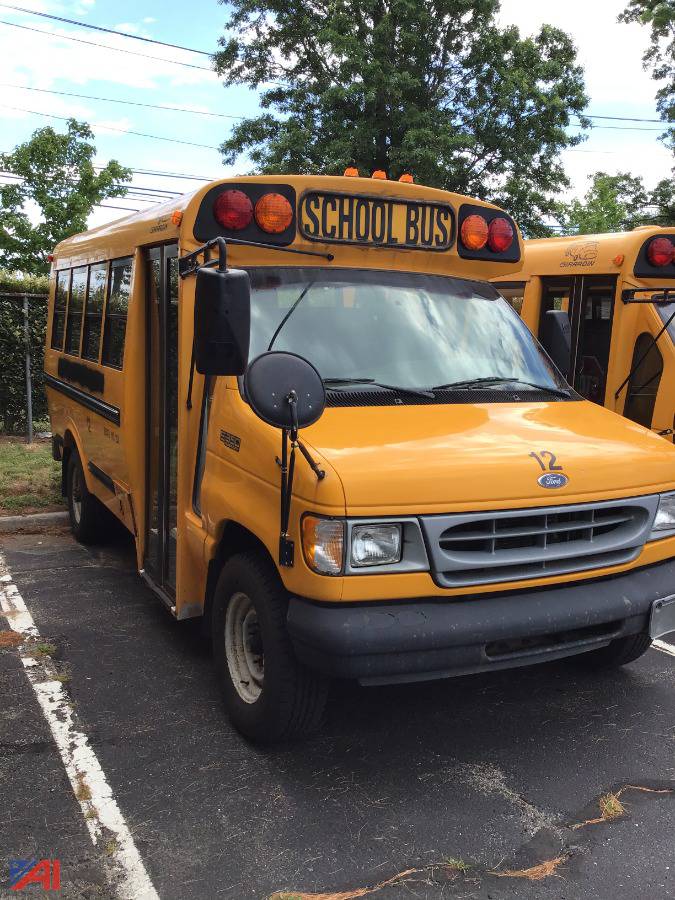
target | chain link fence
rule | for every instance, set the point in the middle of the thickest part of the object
(23, 320)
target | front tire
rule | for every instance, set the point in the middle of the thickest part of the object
(268, 694)
(84, 510)
(617, 653)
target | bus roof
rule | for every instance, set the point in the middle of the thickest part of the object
(174, 220)
(587, 253)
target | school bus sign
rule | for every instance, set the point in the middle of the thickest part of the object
(379, 221)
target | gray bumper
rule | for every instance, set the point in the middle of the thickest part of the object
(430, 638)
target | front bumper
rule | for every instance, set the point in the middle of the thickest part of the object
(426, 638)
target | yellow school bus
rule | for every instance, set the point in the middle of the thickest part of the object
(619, 293)
(334, 441)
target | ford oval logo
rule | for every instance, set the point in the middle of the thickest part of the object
(553, 480)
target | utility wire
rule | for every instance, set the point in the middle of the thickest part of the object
(195, 112)
(156, 137)
(200, 112)
(136, 37)
(67, 37)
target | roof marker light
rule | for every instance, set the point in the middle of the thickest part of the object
(407, 178)
(379, 173)
(351, 172)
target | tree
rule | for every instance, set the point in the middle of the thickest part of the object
(428, 86)
(57, 174)
(617, 203)
(660, 55)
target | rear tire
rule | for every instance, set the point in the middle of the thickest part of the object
(617, 653)
(269, 696)
(84, 510)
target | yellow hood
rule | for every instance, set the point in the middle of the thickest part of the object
(446, 458)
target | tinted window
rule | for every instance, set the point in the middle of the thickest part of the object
(93, 315)
(60, 303)
(75, 306)
(644, 382)
(119, 289)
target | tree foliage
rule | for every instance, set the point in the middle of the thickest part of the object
(660, 55)
(617, 203)
(429, 86)
(57, 175)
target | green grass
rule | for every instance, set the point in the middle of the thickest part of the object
(30, 480)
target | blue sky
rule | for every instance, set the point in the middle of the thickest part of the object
(609, 52)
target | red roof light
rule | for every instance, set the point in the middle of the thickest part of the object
(661, 252)
(233, 210)
(500, 235)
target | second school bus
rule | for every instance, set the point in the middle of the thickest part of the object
(618, 290)
(337, 443)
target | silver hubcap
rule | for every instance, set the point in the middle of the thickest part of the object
(243, 648)
(77, 495)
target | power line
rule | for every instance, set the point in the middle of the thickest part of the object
(196, 112)
(67, 37)
(158, 193)
(616, 127)
(156, 137)
(136, 37)
(618, 118)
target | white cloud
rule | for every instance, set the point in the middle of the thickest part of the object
(43, 58)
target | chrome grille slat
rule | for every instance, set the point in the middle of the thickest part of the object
(508, 545)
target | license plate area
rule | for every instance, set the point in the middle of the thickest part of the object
(662, 617)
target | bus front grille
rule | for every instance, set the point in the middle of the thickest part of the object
(512, 545)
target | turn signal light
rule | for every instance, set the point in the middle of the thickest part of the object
(661, 252)
(379, 173)
(233, 210)
(351, 172)
(273, 213)
(500, 234)
(474, 232)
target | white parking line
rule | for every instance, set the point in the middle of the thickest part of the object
(102, 815)
(664, 647)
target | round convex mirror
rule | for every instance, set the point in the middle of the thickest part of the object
(269, 380)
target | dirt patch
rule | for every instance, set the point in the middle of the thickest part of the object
(10, 639)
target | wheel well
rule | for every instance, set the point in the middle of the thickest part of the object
(234, 539)
(68, 446)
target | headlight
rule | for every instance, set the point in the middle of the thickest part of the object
(375, 545)
(664, 521)
(323, 543)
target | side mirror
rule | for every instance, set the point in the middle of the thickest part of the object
(222, 321)
(285, 390)
(556, 338)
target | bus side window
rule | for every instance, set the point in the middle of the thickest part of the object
(60, 303)
(644, 382)
(93, 311)
(114, 330)
(78, 288)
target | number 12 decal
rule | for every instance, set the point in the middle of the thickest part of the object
(551, 467)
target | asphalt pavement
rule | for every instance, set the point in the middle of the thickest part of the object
(479, 787)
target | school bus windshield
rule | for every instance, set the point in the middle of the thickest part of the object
(404, 329)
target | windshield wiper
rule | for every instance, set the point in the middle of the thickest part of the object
(496, 379)
(417, 392)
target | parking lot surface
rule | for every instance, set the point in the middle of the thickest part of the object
(486, 786)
